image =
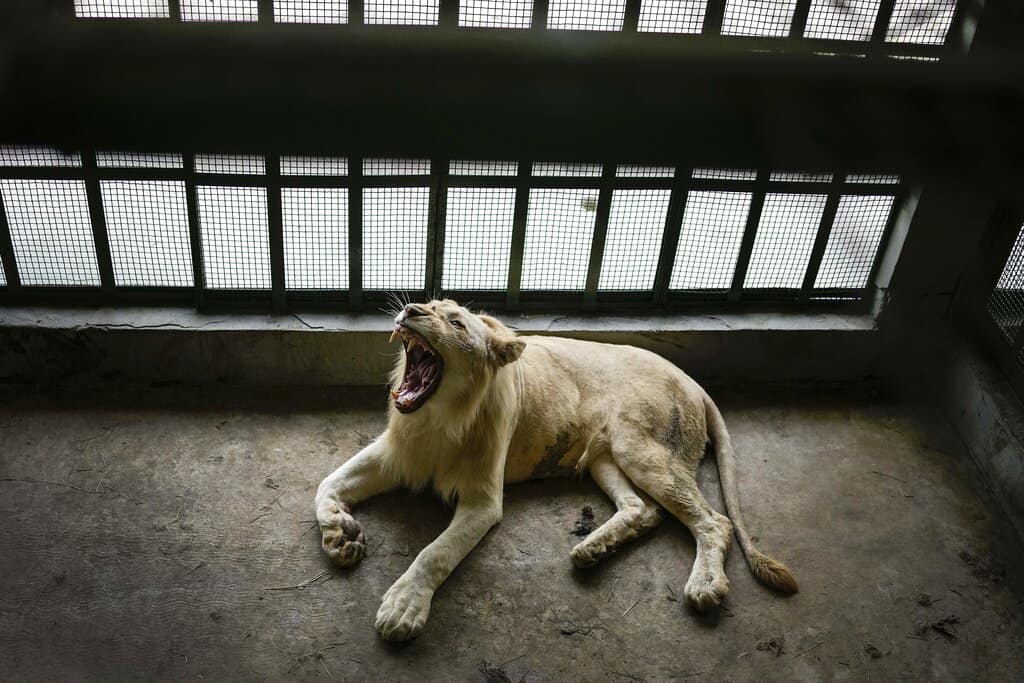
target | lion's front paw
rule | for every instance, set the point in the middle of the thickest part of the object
(344, 541)
(403, 611)
(706, 589)
(586, 555)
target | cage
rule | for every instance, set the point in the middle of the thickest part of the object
(212, 212)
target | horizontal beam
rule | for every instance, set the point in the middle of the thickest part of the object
(547, 95)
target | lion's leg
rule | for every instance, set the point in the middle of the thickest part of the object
(637, 514)
(405, 606)
(361, 477)
(656, 470)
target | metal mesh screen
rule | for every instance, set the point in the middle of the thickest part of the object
(51, 231)
(315, 226)
(925, 22)
(38, 156)
(3, 276)
(592, 15)
(768, 18)
(478, 238)
(396, 167)
(871, 178)
(311, 11)
(559, 232)
(636, 223)
(1006, 303)
(672, 16)
(320, 166)
(709, 240)
(496, 13)
(854, 240)
(135, 160)
(724, 174)
(404, 12)
(219, 10)
(236, 249)
(395, 237)
(785, 236)
(644, 172)
(841, 19)
(234, 164)
(147, 227)
(544, 168)
(486, 168)
(121, 9)
(787, 177)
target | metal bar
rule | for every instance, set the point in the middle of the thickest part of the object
(355, 232)
(174, 10)
(714, 14)
(355, 13)
(632, 17)
(799, 23)
(749, 233)
(276, 233)
(266, 11)
(98, 220)
(540, 15)
(670, 240)
(898, 206)
(436, 227)
(515, 261)
(7, 251)
(828, 217)
(448, 13)
(604, 203)
(194, 231)
(882, 25)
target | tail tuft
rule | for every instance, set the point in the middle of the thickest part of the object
(772, 573)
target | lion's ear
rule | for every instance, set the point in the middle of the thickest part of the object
(502, 345)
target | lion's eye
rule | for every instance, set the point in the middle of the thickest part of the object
(458, 324)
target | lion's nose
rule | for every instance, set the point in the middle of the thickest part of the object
(413, 310)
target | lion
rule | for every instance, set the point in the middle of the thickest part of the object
(474, 407)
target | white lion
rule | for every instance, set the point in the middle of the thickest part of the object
(474, 407)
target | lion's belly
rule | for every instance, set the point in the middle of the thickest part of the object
(556, 419)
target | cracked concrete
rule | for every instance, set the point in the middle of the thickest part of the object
(175, 541)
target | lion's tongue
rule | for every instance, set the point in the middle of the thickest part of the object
(415, 382)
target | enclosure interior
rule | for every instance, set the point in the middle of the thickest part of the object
(207, 210)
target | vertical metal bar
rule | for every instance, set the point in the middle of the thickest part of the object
(670, 239)
(881, 27)
(828, 217)
(275, 233)
(540, 15)
(99, 221)
(796, 28)
(632, 17)
(355, 233)
(515, 261)
(436, 226)
(195, 237)
(448, 13)
(7, 251)
(604, 204)
(749, 233)
(174, 10)
(266, 11)
(355, 12)
(714, 15)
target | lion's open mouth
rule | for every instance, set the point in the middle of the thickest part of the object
(423, 366)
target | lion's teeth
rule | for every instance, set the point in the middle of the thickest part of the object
(394, 333)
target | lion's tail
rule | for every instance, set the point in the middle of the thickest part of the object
(770, 572)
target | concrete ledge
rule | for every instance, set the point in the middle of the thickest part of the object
(180, 345)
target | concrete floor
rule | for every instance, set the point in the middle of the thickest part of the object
(154, 552)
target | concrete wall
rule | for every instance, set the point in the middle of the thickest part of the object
(173, 345)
